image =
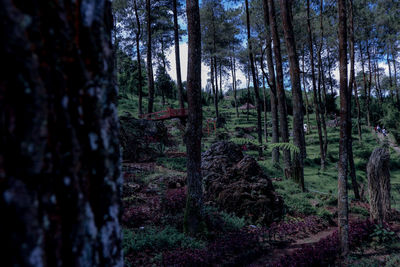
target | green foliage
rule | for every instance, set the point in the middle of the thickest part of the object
(178, 164)
(382, 236)
(295, 199)
(157, 239)
(393, 261)
(229, 220)
(288, 146)
(359, 210)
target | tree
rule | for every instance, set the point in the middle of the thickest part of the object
(61, 202)
(283, 123)
(343, 220)
(314, 86)
(272, 84)
(350, 89)
(150, 78)
(194, 204)
(255, 80)
(138, 35)
(177, 55)
(298, 116)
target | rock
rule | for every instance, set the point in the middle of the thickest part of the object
(237, 184)
(140, 138)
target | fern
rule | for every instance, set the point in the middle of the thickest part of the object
(287, 146)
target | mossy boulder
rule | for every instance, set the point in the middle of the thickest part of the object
(236, 183)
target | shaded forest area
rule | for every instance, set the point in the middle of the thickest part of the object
(200, 133)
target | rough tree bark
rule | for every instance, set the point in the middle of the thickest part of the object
(177, 55)
(150, 78)
(255, 82)
(139, 59)
(350, 90)
(60, 174)
(194, 205)
(297, 99)
(272, 85)
(233, 69)
(343, 218)
(264, 94)
(215, 91)
(315, 93)
(378, 172)
(279, 85)
(321, 82)
(305, 91)
(365, 83)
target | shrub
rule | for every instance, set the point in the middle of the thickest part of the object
(156, 239)
(175, 200)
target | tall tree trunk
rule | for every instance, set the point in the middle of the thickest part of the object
(390, 75)
(272, 85)
(220, 77)
(279, 85)
(233, 70)
(370, 79)
(315, 93)
(305, 92)
(298, 116)
(177, 55)
(139, 59)
(321, 82)
(248, 92)
(163, 93)
(377, 89)
(330, 72)
(264, 95)
(214, 88)
(365, 87)
(150, 78)
(343, 218)
(352, 83)
(59, 157)
(350, 90)
(378, 74)
(255, 82)
(194, 204)
(395, 80)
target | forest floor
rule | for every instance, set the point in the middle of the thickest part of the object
(154, 199)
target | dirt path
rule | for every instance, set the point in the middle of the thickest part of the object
(279, 252)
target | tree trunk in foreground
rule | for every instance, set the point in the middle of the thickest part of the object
(343, 218)
(177, 56)
(280, 89)
(60, 174)
(297, 99)
(378, 172)
(255, 82)
(272, 86)
(194, 205)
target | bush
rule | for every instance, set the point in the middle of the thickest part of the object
(156, 239)
(175, 200)
(222, 221)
